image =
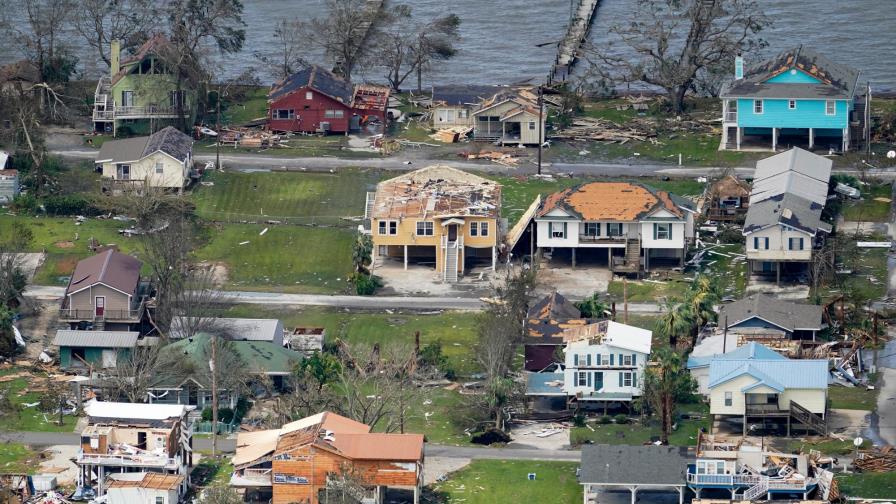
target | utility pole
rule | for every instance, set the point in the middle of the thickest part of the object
(213, 364)
(540, 125)
(218, 130)
(625, 299)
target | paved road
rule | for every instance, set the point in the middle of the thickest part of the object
(40, 439)
(49, 293)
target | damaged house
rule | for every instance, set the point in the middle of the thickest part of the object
(545, 322)
(783, 226)
(436, 216)
(454, 105)
(727, 200)
(326, 452)
(510, 118)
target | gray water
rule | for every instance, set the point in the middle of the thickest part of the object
(498, 39)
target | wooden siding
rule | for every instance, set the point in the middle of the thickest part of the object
(84, 300)
(793, 76)
(807, 114)
(174, 173)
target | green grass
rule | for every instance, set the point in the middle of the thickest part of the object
(868, 279)
(825, 446)
(494, 481)
(212, 471)
(299, 197)
(867, 209)
(413, 131)
(455, 330)
(29, 418)
(640, 291)
(15, 458)
(296, 146)
(636, 433)
(438, 426)
(286, 258)
(853, 398)
(868, 485)
(253, 105)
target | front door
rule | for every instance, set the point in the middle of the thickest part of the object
(99, 305)
(452, 232)
(127, 98)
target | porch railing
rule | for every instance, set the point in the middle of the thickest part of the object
(135, 112)
(731, 116)
(107, 314)
(748, 480)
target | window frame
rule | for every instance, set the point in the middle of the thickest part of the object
(159, 168)
(791, 104)
(388, 228)
(790, 242)
(463, 113)
(309, 95)
(595, 226)
(334, 114)
(627, 379)
(554, 233)
(474, 228)
(615, 225)
(483, 229)
(830, 107)
(729, 399)
(428, 228)
(581, 378)
(627, 360)
(278, 114)
(758, 107)
(531, 125)
(665, 227)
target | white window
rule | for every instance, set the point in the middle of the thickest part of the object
(160, 500)
(583, 379)
(729, 398)
(462, 114)
(557, 230)
(424, 228)
(662, 231)
(626, 379)
(284, 113)
(388, 227)
(757, 106)
(614, 229)
(334, 114)
(830, 107)
(791, 104)
(796, 243)
(603, 360)
(532, 125)
(160, 168)
(760, 243)
(626, 360)
(592, 229)
(309, 95)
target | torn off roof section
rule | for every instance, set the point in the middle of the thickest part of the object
(613, 201)
(435, 192)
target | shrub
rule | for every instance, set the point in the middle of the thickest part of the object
(620, 419)
(431, 355)
(25, 203)
(70, 205)
(366, 285)
(578, 420)
(604, 420)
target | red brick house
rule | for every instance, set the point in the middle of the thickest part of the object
(315, 100)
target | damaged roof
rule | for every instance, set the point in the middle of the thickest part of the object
(169, 140)
(786, 209)
(613, 201)
(434, 192)
(549, 317)
(787, 315)
(730, 186)
(460, 94)
(608, 332)
(836, 81)
(317, 78)
(152, 46)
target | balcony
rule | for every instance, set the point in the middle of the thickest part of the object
(144, 459)
(602, 240)
(730, 116)
(77, 314)
(749, 480)
(113, 112)
(251, 478)
(766, 410)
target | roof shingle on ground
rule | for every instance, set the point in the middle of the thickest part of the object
(112, 268)
(434, 192)
(634, 465)
(787, 315)
(612, 201)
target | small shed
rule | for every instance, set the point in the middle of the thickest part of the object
(633, 468)
(143, 488)
(98, 349)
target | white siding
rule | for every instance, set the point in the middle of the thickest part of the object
(174, 173)
(717, 396)
(544, 239)
(778, 243)
(610, 372)
(813, 400)
(677, 242)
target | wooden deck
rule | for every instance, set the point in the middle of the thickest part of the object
(576, 36)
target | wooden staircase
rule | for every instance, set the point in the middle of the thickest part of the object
(807, 418)
(450, 273)
(756, 491)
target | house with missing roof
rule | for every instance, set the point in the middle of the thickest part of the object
(545, 322)
(141, 93)
(799, 94)
(783, 226)
(143, 488)
(315, 100)
(128, 442)
(454, 104)
(771, 317)
(726, 199)
(510, 118)
(603, 364)
(628, 226)
(162, 159)
(436, 216)
(86, 351)
(301, 459)
(105, 292)
(792, 392)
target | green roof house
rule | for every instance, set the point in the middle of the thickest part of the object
(96, 350)
(141, 93)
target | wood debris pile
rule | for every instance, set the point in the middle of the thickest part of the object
(502, 158)
(246, 137)
(602, 130)
(881, 460)
(452, 135)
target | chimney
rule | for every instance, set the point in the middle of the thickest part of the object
(738, 67)
(115, 57)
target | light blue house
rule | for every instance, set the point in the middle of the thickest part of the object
(796, 98)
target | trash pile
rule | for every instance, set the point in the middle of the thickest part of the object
(502, 158)
(878, 460)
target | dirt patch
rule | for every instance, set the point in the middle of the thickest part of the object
(64, 244)
(218, 271)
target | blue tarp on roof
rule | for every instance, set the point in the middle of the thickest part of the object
(544, 384)
(777, 374)
(749, 351)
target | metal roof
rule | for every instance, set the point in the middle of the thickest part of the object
(249, 329)
(634, 465)
(788, 373)
(751, 350)
(96, 339)
(795, 171)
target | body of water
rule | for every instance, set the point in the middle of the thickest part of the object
(499, 40)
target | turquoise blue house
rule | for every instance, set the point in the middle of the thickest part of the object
(797, 98)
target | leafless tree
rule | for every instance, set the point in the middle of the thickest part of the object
(197, 303)
(405, 48)
(100, 22)
(40, 35)
(134, 375)
(291, 47)
(676, 41)
(341, 35)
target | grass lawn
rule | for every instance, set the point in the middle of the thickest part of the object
(15, 458)
(854, 398)
(299, 197)
(494, 481)
(635, 433)
(28, 418)
(438, 427)
(868, 485)
(825, 446)
(869, 209)
(640, 291)
(212, 471)
(456, 330)
(286, 258)
(296, 146)
(253, 105)
(868, 279)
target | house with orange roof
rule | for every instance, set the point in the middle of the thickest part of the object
(326, 452)
(141, 92)
(630, 226)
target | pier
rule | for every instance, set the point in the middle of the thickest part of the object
(576, 35)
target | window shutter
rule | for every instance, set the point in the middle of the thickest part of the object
(611, 359)
(589, 379)
(634, 379)
(564, 230)
(588, 360)
(620, 378)
(575, 359)
(655, 228)
(766, 243)
(621, 360)
(634, 359)
(598, 360)
(550, 229)
(755, 243)
(801, 244)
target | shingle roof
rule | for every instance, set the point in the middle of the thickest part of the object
(750, 351)
(795, 171)
(96, 339)
(151, 46)
(169, 140)
(554, 306)
(787, 315)
(550, 316)
(787, 373)
(614, 201)
(787, 209)
(634, 465)
(316, 78)
(837, 81)
(248, 329)
(117, 270)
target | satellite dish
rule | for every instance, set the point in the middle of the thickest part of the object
(857, 442)
(891, 154)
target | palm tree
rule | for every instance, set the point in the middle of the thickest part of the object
(674, 322)
(593, 308)
(701, 305)
(666, 383)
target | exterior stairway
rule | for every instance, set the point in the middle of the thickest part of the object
(450, 273)
(756, 491)
(807, 418)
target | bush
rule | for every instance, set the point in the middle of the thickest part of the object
(70, 205)
(366, 285)
(604, 420)
(25, 203)
(620, 419)
(490, 436)
(578, 420)
(431, 355)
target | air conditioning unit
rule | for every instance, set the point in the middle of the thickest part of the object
(324, 127)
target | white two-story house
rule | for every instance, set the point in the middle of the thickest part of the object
(604, 362)
(631, 225)
(783, 225)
